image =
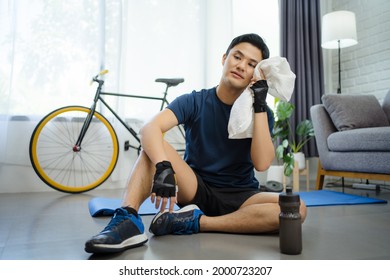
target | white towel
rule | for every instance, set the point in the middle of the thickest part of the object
(280, 80)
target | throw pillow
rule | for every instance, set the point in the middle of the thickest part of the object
(354, 111)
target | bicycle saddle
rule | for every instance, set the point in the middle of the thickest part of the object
(170, 82)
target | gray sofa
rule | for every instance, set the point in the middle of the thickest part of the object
(352, 133)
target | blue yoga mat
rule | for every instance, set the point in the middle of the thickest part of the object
(329, 198)
(99, 206)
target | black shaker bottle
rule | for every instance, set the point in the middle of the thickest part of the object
(290, 225)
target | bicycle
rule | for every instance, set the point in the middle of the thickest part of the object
(75, 149)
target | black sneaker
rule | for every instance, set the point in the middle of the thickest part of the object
(123, 232)
(183, 221)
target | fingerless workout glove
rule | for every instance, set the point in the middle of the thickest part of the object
(164, 182)
(260, 89)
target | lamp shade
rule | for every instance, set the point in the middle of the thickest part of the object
(339, 26)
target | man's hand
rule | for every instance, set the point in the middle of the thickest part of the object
(164, 186)
(260, 90)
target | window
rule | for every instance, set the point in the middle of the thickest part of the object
(48, 54)
(50, 49)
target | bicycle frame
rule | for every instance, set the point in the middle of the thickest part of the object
(98, 97)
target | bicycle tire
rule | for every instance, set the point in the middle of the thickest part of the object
(55, 162)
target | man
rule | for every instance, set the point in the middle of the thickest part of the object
(216, 186)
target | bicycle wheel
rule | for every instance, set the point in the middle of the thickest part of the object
(53, 158)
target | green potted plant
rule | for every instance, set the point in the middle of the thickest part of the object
(289, 144)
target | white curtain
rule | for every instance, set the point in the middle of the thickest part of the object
(49, 50)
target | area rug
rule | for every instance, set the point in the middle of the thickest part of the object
(100, 206)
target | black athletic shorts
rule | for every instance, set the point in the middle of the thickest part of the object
(215, 201)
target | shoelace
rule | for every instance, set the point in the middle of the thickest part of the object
(183, 224)
(120, 215)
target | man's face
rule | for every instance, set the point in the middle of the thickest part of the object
(239, 65)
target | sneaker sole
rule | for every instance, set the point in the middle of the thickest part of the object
(135, 241)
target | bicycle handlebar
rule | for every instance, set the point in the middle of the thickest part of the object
(101, 73)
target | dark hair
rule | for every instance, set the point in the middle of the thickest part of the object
(253, 39)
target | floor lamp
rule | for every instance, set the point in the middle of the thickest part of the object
(339, 31)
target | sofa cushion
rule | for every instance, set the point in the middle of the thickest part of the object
(386, 105)
(362, 139)
(354, 111)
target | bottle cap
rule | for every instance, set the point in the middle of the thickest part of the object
(289, 196)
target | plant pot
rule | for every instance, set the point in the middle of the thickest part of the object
(275, 173)
(300, 158)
